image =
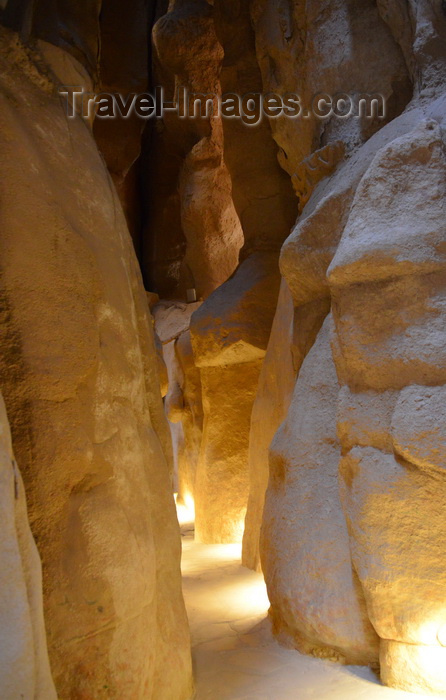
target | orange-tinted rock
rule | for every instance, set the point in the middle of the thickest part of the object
(193, 234)
(229, 335)
(82, 390)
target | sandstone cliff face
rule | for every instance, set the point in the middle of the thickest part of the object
(310, 421)
(370, 242)
(80, 381)
(24, 666)
(392, 482)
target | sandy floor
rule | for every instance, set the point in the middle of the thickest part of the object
(235, 657)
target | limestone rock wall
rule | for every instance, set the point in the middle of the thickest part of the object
(81, 385)
(24, 665)
(316, 602)
(390, 418)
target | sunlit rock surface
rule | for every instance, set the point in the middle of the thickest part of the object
(229, 334)
(380, 220)
(275, 388)
(317, 604)
(81, 385)
(389, 348)
(311, 420)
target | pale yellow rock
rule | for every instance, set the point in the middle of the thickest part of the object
(222, 478)
(24, 665)
(229, 335)
(81, 386)
(276, 383)
(380, 220)
(316, 602)
(389, 285)
(233, 326)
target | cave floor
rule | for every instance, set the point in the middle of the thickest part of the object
(235, 656)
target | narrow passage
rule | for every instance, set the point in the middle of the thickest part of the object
(235, 656)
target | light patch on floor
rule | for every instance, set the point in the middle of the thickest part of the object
(235, 656)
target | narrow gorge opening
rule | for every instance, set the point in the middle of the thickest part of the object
(222, 302)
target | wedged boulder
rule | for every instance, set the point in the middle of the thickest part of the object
(81, 385)
(234, 324)
(24, 666)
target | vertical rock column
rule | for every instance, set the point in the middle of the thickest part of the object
(274, 392)
(317, 604)
(230, 331)
(193, 234)
(390, 290)
(229, 336)
(81, 385)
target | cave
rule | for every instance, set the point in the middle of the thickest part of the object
(223, 349)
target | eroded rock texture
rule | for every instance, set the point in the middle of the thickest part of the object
(390, 416)
(310, 421)
(24, 666)
(229, 334)
(183, 402)
(370, 245)
(275, 388)
(80, 381)
(193, 234)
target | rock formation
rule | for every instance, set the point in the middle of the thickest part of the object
(183, 402)
(24, 666)
(229, 338)
(371, 242)
(296, 271)
(80, 381)
(190, 187)
(275, 388)
(390, 412)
